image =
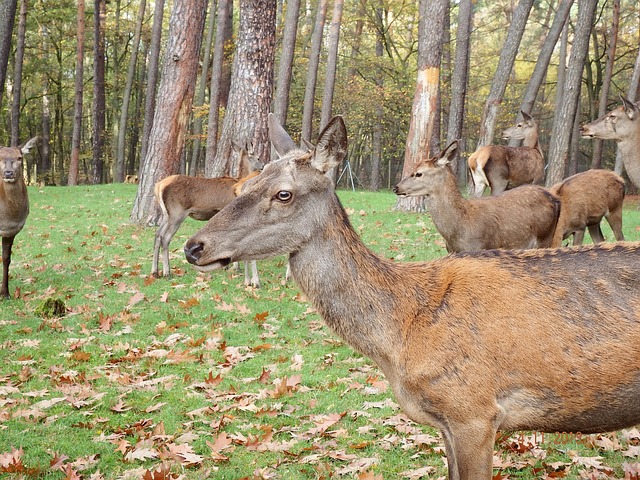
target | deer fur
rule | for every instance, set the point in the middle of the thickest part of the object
(524, 217)
(14, 203)
(501, 167)
(586, 198)
(621, 124)
(182, 196)
(470, 343)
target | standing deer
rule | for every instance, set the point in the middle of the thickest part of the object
(587, 197)
(14, 203)
(182, 196)
(501, 167)
(471, 343)
(524, 217)
(623, 125)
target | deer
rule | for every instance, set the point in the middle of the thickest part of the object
(182, 196)
(14, 203)
(586, 198)
(621, 124)
(471, 343)
(524, 217)
(502, 167)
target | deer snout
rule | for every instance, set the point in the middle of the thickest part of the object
(9, 176)
(193, 251)
(584, 131)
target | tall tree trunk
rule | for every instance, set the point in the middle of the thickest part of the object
(565, 111)
(283, 83)
(152, 81)
(459, 79)
(245, 121)
(7, 19)
(376, 143)
(45, 151)
(175, 98)
(312, 72)
(503, 71)
(99, 101)
(596, 157)
(79, 92)
(215, 90)
(423, 111)
(126, 96)
(17, 76)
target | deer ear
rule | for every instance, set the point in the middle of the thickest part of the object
(630, 108)
(448, 154)
(280, 139)
(526, 116)
(332, 146)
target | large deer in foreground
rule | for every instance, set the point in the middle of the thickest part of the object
(182, 196)
(586, 198)
(524, 217)
(14, 203)
(621, 124)
(470, 343)
(501, 167)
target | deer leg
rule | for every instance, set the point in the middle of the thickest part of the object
(469, 450)
(165, 238)
(156, 249)
(596, 233)
(252, 279)
(7, 243)
(578, 236)
(615, 222)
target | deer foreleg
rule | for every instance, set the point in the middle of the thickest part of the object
(469, 450)
(7, 243)
(596, 233)
(252, 279)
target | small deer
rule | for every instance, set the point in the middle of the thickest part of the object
(501, 167)
(623, 125)
(586, 198)
(470, 343)
(524, 217)
(14, 203)
(182, 196)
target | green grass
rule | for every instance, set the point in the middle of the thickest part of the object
(143, 372)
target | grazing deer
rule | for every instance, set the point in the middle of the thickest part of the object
(623, 125)
(501, 167)
(587, 197)
(182, 196)
(14, 203)
(524, 217)
(471, 343)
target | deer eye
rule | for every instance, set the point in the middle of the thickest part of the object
(418, 174)
(283, 196)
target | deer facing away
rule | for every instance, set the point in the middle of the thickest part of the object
(501, 167)
(182, 196)
(524, 217)
(586, 198)
(623, 125)
(471, 343)
(14, 203)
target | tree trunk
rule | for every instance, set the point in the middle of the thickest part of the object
(216, 86)
(503, 71)
(126, 96)
(596, 158)
(423, 111)
(245, 121)
(79, 92)
(376, 143)
(283, 82)
(17, 76)
(312, 72)
(7, 19)
(175, 98)
(99, 101)
(566, 109)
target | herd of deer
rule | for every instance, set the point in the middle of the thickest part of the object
(472, 343)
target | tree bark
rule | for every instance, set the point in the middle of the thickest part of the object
(566, 109)
(99, 99)
(283, 83)
(17, 76)
(7, 19)
(79, 93)
(175, 98)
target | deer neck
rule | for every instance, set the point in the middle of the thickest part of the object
(531, 141)
(447, 207)
(629, 148)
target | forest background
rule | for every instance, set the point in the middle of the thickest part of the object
(93, 102)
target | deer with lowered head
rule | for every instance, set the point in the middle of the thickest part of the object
(621, 124)
(586, 198)
(501, 167)
(471, 343)
(524, 217)
(14, 203)
(182, 196)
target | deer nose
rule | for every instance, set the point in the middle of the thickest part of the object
(193, 252)
(395, 189)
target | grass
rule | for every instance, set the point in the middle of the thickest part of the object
(198, 376)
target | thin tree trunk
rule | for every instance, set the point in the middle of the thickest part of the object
(376, 143)
(79, 92)
(17, 76)
(99, 102)
(283, 83)
(7, 19)
(45, 152)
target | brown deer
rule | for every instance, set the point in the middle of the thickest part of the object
(586, 198)
(471, 343)
(14, 203)
(501, 167)
(524, 217)
(182, 196)
(623, 125)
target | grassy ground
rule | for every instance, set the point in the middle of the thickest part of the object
(108, 373)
